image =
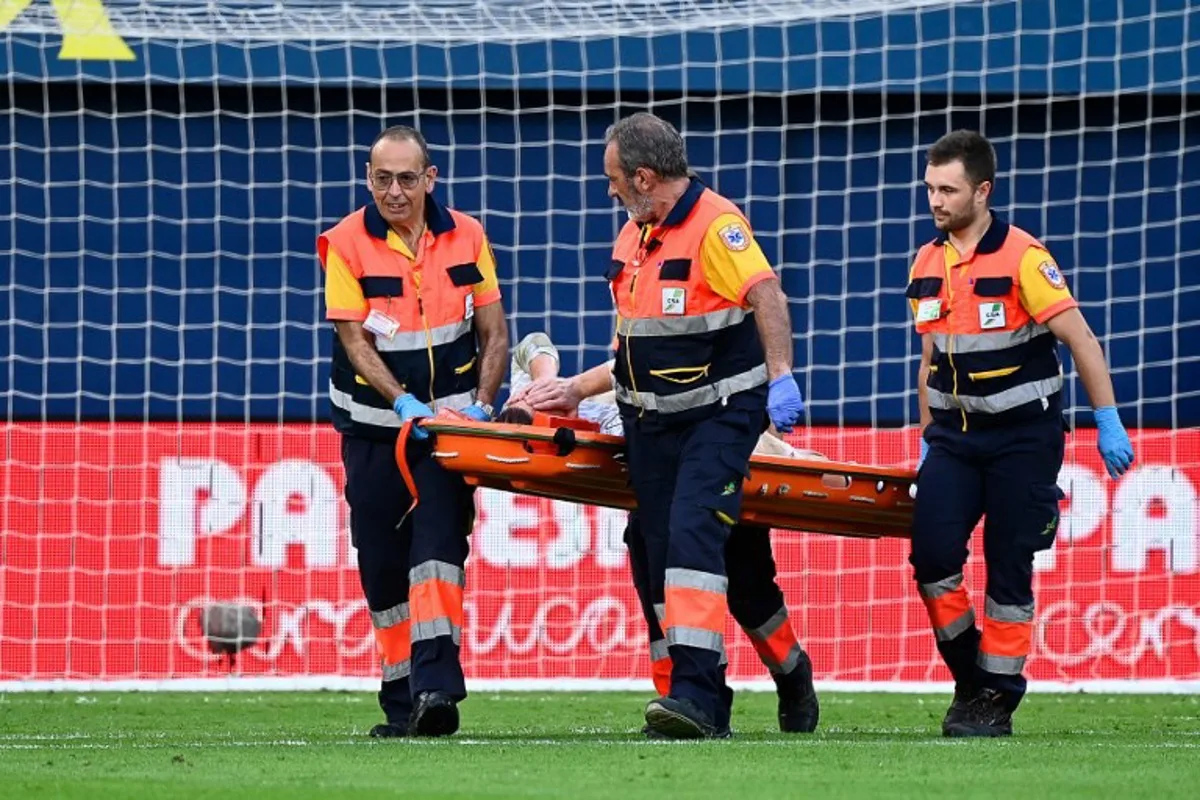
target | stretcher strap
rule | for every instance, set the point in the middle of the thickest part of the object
(410, 482)
(402, 462)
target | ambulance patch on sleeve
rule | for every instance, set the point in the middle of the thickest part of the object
(1052, 274)
(735, 237)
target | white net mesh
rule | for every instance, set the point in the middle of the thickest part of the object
(166, 170)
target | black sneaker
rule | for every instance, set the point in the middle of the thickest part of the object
(957, 712)
(679, 718)
(434, 715)
(986, 715)
(799, 710)
(389, 730)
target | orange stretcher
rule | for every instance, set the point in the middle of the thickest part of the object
(569, 459)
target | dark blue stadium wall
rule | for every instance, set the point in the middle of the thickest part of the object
(163, 212)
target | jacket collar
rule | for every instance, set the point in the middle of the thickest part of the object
(992, 240)
(437, 219)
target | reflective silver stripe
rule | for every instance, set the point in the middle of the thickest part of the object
(683, 326)
(694, 398)
(996, 403)
(764, 631)
(958, 626)
(390, 616)
(454, 402)
(379, 417)
(423, 631)
(437, 570)
(695, 579)
(989, 342)
(394, 672)
(936, 589)
(789, 663)
(658, 650)
(1003, 613)
(1000, 665)
(696, 637)
(415, 340)
(385, 417)
(660, 611)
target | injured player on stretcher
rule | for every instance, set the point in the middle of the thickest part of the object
(536, 385)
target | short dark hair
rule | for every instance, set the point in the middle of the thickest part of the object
(402, 133)
(644, 140)
(514, 415)
(976, 153)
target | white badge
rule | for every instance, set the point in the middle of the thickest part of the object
(929, 310)
(470, 307)
(991, 316)
(673, 301)
(381, 324)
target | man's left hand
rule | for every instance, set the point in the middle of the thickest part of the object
(784, 403)
(553, 395)
(1113, 442)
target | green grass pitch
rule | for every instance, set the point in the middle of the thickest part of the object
(584, 745)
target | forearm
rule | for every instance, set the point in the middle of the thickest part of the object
(774, 325)
(366, 361)
(594, 381)
(1093, 371)
(493, 358)
(923, 396)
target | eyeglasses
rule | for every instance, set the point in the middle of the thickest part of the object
(382, 181)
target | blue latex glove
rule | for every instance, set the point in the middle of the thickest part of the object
(476, 413)
(784, 403)
(924, 452)
(408, 407)
(1113, 442)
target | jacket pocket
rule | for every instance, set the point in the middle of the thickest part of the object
(923, 287)
(988, 374)
(467, 274)
(675, 269)
(993, 287)
(681, 375)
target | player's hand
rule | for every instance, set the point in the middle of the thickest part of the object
(924, 453)
(784, 403)
(553, 395)
(408, 407)
(1113, 442)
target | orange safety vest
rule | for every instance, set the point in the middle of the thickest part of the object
(433, 353)
(682, 349)
(992, 364)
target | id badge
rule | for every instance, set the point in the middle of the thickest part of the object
(929, 310)
(381, 324)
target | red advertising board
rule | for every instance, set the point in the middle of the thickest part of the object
(116, 537)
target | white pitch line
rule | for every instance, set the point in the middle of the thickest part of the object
(736, 743)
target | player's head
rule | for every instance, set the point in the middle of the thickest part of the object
(641, 153)
(400, 175)
(959, 177)
(515, 414)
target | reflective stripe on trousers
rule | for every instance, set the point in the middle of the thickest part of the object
(1007, 637)
(435, 595)
(776, 644)
(392, 640)
(696, 608)
(949, 607)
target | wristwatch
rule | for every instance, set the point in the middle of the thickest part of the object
(487, 408)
